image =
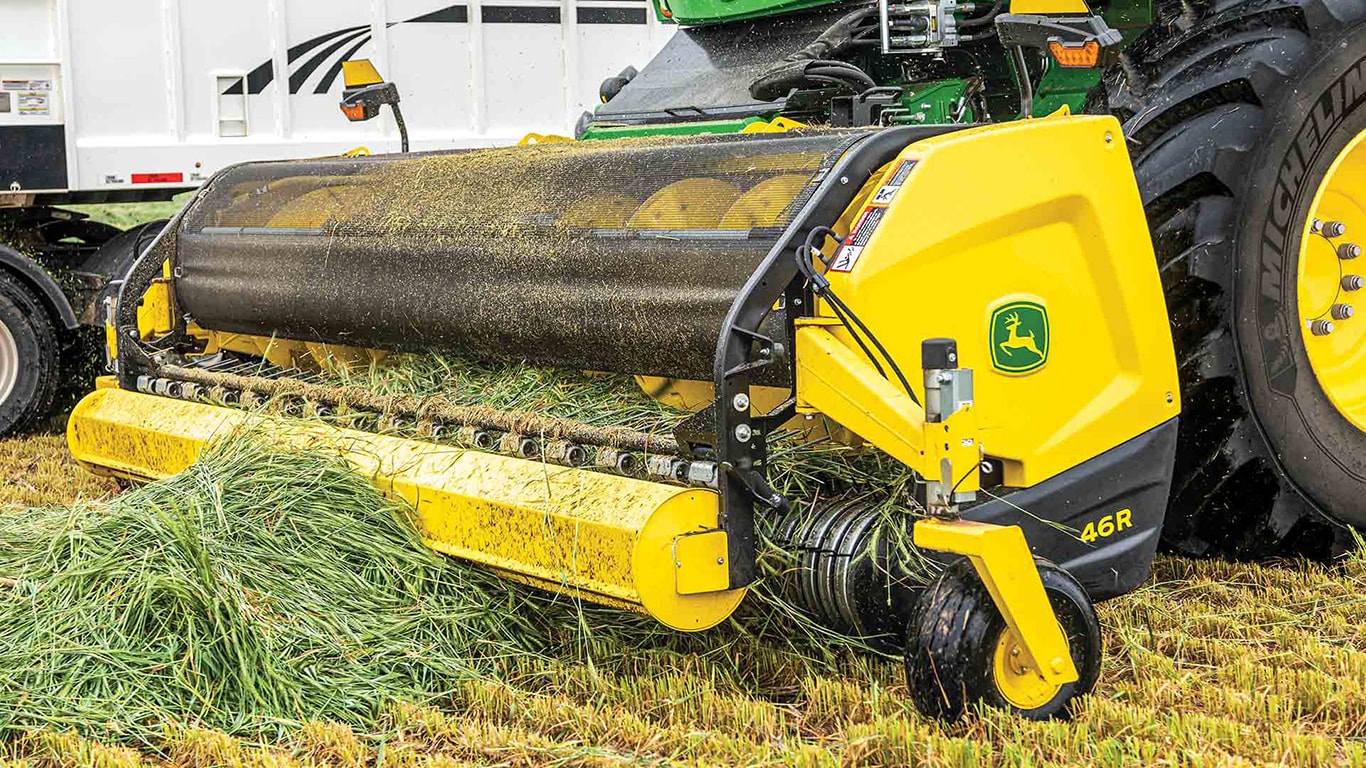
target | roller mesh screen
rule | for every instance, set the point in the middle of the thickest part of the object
(620, 256)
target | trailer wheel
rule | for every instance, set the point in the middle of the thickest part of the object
(29, 357)
(959, 651)
(1235, 113)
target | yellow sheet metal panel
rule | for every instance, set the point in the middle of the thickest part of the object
(599, 536)
(700, 562)
(1047, 280)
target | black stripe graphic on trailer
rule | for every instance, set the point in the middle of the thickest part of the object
(325, 84)
(258, 79)
(298, 76)
(590, 15)
(451, 14)
(519, 14)
(263, 75)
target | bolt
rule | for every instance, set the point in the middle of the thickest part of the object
(1056, 665)
(1334, 229)
(953, 357)
(1109, 138)
(743, 433)
(720, 561)
(1343, 311)
(677, 564)
(844, 179)
(765, 352)
(1014, 651)
(741, 402)
(1348, 251)
(1170, 398)
(1352, 282)
(1321, 327)
(1316, 226)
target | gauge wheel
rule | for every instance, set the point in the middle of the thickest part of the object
(961, 654)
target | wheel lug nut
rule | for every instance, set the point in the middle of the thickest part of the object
(1352, 282)
(1334, 229)
(1321, 327)
(1343, 311)
(1348, 251)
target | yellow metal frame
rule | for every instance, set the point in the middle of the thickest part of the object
(839, 382)
(1003, 561)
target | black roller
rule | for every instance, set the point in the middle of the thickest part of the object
(618, 256)
(846, 571)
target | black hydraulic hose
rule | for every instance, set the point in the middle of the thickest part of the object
(987, 18)
(844, 72)
(792, 70)
(820, 285)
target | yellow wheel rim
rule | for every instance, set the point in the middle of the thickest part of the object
(1020, 685)
(1328, 283)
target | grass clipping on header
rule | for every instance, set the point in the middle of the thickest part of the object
(261, 589)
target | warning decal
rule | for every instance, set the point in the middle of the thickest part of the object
(852, 249)
(888, 191)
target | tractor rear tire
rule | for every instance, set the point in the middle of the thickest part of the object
(30, 364)
(1234, 112)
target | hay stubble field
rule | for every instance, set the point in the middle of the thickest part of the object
(1209, 664)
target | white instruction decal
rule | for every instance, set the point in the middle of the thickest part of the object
(33, 103)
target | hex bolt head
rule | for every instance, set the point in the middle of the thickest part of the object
(1321, 327)
(1343, 311)
(1334, 229)
(741, 402)
(1349, 251)
(743, 433)
(1352, 282)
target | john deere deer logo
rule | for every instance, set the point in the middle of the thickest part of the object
(1019, 337)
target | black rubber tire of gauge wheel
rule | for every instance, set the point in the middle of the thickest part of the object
(951, 643)
(1234, 112)
(37, 344)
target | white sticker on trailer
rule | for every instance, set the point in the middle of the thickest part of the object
(36, 104)
(26, 85)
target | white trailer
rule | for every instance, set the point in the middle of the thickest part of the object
(106, 101)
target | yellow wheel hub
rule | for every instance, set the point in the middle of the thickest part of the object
(1019, 683)
(1331, 274)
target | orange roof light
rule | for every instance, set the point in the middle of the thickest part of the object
(1085, 55)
